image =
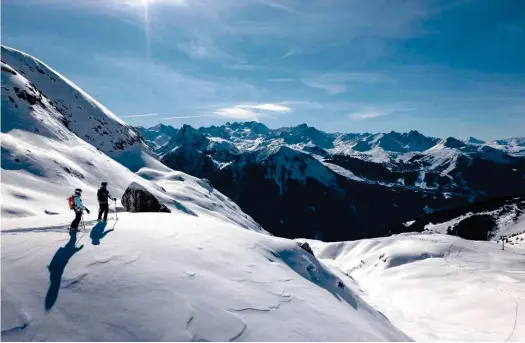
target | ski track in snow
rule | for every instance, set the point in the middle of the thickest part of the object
(515, 321)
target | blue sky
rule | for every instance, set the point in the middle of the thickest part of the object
(445, 68)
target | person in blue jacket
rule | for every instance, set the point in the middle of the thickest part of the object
(78, 208)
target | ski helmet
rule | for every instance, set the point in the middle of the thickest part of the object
(78, 191)
(104, 183)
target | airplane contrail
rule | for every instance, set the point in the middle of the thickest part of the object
(187, 117)
(141, 115)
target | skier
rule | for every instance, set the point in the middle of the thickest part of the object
(103, 196)
(75, 203)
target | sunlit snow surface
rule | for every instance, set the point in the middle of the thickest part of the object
(437, 287)
(173, 277)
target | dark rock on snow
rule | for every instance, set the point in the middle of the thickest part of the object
(137, 199)
(306, 247)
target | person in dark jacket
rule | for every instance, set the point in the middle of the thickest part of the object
(78, 207)
(103, 196)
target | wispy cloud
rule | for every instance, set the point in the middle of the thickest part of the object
(371, 112)
(241, 112)
(276, 5)
(252, 111)
(204, 48)
(304, 104)
(268, 107)
(194, 49)
(289, 53)
(337, 83)
(237, 113)
(244, 67)
(178, 85)
(164, 2)
(281, 80)
(141, 115)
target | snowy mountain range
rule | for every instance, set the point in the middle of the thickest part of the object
(296, 180)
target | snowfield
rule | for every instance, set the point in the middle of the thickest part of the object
(172, 277)
(436, 287)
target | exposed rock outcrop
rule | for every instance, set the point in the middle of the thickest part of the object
(137, 199)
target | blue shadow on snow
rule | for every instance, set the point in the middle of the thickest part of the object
(56, 268)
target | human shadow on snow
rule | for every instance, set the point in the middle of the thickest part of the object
(57, 266)
(97, 233)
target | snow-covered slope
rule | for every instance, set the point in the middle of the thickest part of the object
(39, 173)
(44, 160)
(79, 112)
(437, 287)
(514, 146)
(286, 163)
(172, 277)
(487, 220)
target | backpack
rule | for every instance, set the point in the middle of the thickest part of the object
(102, 195)
(71, 202)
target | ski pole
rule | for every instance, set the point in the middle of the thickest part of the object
(116, 211)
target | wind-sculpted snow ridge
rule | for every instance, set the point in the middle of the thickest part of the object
(173, 277)
(79, 112)
(437, 287)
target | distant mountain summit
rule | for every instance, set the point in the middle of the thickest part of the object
(158, 135)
